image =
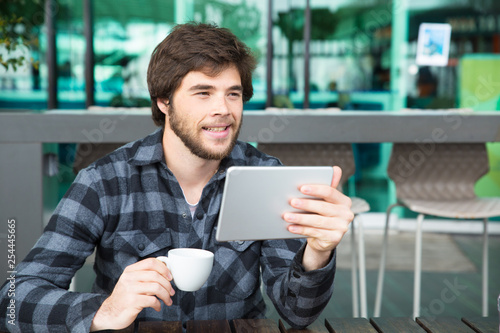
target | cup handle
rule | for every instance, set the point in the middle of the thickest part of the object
(165, 260)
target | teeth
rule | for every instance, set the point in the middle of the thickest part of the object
(215, 129)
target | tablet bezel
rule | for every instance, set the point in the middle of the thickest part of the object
(255, 198)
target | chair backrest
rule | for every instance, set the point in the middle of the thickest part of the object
(437, 171)
(313, 154)
(88, 153)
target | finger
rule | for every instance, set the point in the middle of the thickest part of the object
(150, 264)
(322, 208)
(136, 288)
(133, 296)
(149, 301)
(316, 221)
(327, 237)
(326, 193)
(155, 289)
(164, 268)
(152, 277)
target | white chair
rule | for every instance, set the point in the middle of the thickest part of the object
(319, 154)
(438, 179)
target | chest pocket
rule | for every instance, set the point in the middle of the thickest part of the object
(135, 245)
(237, 267)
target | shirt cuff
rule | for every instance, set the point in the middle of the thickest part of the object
(316, 276)
(83, 312)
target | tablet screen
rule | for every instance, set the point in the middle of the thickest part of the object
(256, 197)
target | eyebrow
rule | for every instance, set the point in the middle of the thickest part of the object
(210, 87)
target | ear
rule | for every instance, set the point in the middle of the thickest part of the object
(163, 105)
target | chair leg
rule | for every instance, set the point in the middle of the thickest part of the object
(354, 277)
(381, 270)
(485, 268)
(362, 269)
(418, 267)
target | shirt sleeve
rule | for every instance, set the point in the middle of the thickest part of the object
(41, 299)
(299, 296)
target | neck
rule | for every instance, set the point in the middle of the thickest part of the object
(191, 171)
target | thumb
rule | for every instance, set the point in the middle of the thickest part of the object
(337, 174)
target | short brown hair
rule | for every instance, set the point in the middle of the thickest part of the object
(196, 47)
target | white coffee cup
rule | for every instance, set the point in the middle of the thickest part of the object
(190, 268)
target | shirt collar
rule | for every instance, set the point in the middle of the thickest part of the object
(235, 158)
(148, 150)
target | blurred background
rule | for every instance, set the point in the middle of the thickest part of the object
(361, 55)
(364, 46)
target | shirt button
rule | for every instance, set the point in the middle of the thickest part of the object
(199, 215)
(141, 247)
(184, 215)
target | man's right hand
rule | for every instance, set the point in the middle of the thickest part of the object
(137, 288)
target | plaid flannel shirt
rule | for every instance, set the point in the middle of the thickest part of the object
(129, 206)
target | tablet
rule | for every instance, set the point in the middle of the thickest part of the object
(255, 198)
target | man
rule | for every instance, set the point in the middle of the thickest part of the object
(164, 192)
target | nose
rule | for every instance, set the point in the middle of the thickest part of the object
(220, 107)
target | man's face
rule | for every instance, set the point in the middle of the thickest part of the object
(206, 112)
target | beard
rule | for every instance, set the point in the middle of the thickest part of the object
(193, 142)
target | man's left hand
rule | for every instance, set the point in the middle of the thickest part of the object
(324, 222)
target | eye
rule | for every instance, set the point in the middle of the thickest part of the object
(203, 93)
(235, 94)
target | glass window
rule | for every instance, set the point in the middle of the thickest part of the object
(70, 43)
(474, 47)
(124, 38)
(247, 20)
(22, 76)
(349, 53)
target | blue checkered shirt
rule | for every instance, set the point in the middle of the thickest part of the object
(128, 206)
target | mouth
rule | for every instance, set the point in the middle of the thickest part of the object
(216, 128)
(217, 132)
